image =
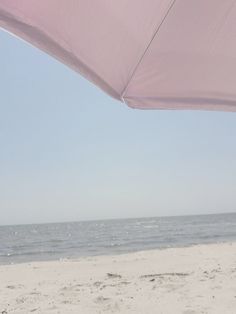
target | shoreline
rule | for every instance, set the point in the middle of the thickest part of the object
(113, 254)
(190, 280)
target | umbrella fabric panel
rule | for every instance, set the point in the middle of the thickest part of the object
(191, 63)
(103, 40)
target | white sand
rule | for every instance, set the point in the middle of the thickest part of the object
(199, 279)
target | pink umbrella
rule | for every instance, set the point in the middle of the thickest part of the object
(164, 54)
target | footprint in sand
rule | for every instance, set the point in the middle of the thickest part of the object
(97, 284)
(101, 299)
(111, 275)
(12, 287)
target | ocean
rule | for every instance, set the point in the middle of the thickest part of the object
(26, 243)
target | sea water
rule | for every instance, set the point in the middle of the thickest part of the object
(25, 243)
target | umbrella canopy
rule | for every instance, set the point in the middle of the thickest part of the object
(163, 54)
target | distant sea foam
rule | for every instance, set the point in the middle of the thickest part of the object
(25, 243)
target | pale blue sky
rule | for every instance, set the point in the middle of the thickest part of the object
(70, 152)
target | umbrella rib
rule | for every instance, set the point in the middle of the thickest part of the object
(146, 49)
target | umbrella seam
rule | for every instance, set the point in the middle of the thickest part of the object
(146, 49)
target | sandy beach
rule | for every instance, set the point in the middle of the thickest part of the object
(197, 279)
